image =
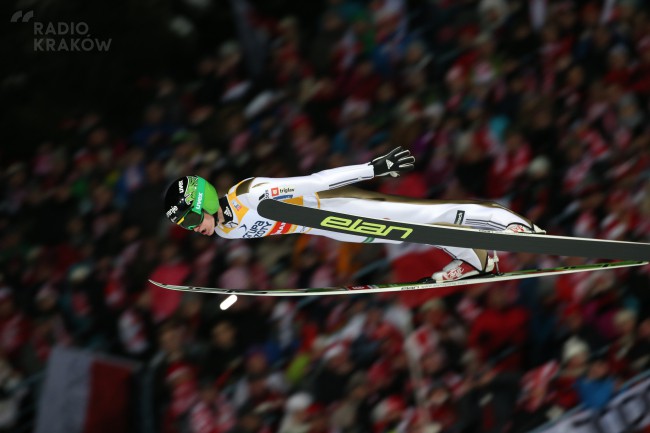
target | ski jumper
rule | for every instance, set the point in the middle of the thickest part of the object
(329, 190)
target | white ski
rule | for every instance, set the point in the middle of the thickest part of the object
(352, 290)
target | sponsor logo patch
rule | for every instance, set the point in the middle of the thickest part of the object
(361, 227)
(172, 211)
(285, 190)
(455, 274)
(227, 212)
(280, 228)
(180, 187)
(257, 230)
(192, 184)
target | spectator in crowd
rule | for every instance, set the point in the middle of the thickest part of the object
(500, 330)
(223, 355)
(212, 413)
(596, 387)
(12, 394)
(296, 415)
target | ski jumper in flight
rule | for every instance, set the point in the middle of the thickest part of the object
(194, 204)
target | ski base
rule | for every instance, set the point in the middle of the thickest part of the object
(383, 288)
(453, 236)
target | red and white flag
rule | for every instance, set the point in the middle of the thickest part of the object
(85, 392)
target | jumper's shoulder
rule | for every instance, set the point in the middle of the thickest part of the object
(240, 194)
(244, 186)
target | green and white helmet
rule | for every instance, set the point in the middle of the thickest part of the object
(186, 199)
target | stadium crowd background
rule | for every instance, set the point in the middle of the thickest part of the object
(542, 106)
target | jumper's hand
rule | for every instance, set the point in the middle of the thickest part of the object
(395, 162)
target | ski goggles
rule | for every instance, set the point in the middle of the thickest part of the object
(194, 215)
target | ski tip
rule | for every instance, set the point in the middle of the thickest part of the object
(161, 285)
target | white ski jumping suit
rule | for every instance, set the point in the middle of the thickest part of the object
(327, 190)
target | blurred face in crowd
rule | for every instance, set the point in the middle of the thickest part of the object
(386, 92)
(542, 119)
(618, 59)
(75, 227)
(223, 335)
(435, 316)
(364, 68)
(17, 176)
(46, 301)
(549, 34)
(416, 80)
(514, 141)
(574, 321)
(130, 234)
(97, 137)
(319, 422)
(191, 307)
(169, 253)
(359, 392)
(257, 387)
(498, 299)
(205, 66)
(414, 53)
(578, 362)
(567, 18)
(360, 27)
(332, 22)
(340, 362)
(102, 197)
(602, 37)
(6, 307)
(234, 123)
(598, 370)
(575, 76)
(645, 56)
(144, 300)
(171, 339)
(630, 114)
(590, 15)
(250, 422)
(153, 115)
(486, 47)
(625, 323)
(433, 362)
(155, 172)
(256, 363)
(644, 330)
(208, 393)
(438, 396)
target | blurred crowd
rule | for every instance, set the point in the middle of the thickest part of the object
(540, 105)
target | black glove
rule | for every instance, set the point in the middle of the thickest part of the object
(394, 162)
